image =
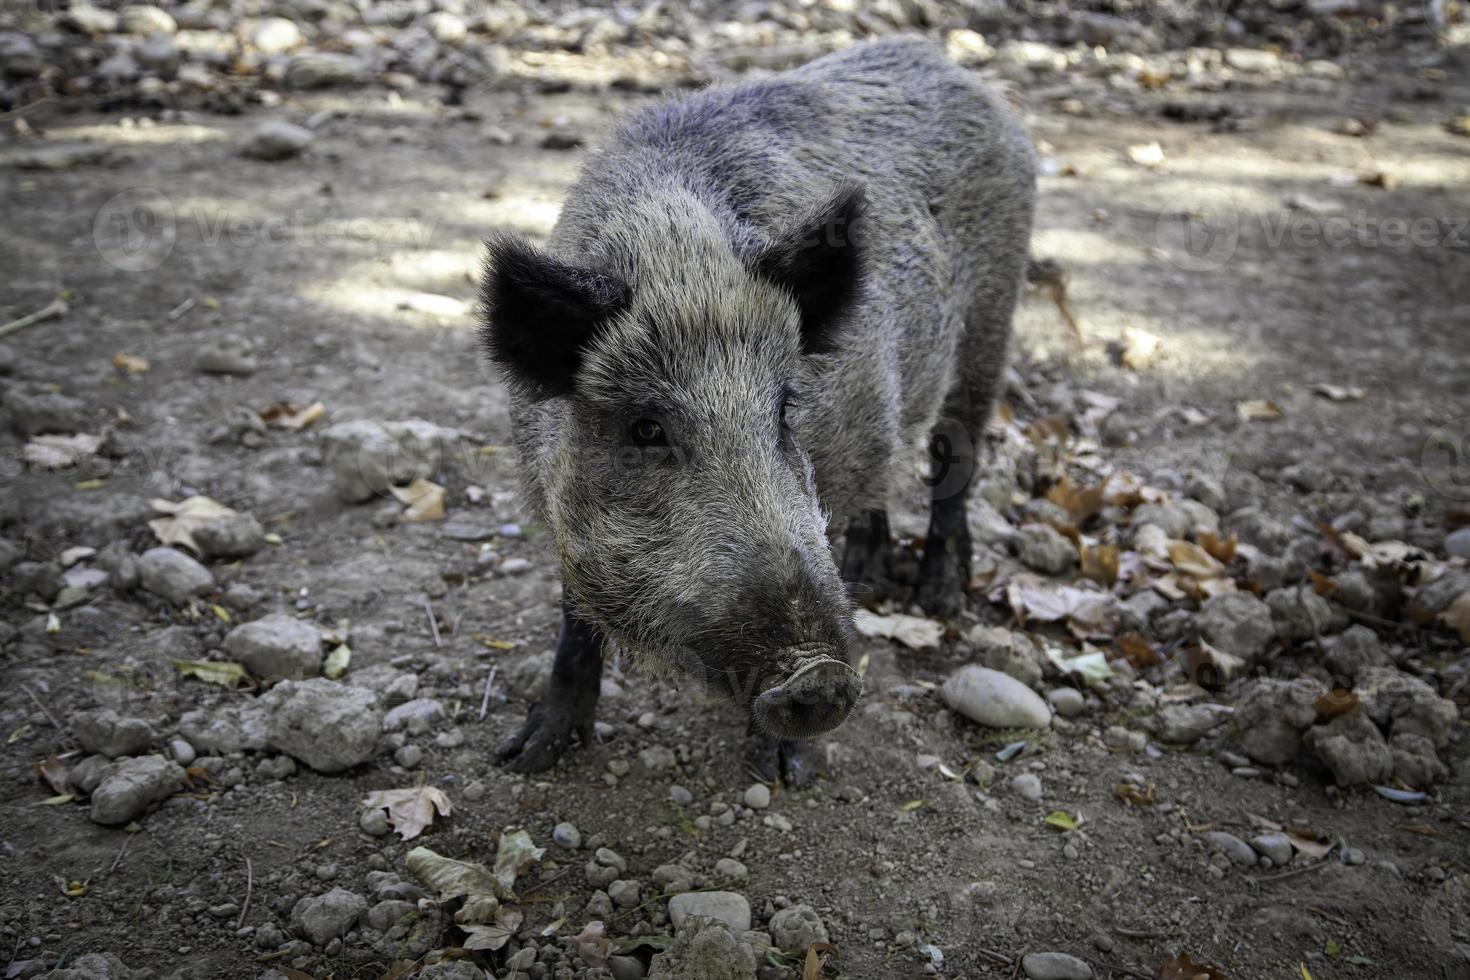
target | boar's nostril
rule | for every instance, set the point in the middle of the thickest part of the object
(815, 699)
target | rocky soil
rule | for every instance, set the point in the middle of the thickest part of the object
(268, 602)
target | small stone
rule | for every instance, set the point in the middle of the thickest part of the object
(1066, 701)
(1055, 966)
(475, 791)
(1042, 547)
(1027, 785)
(680, 796)
(731, 909)
(794, 929)
(277, 645)
(1354, 652)
(275, 35)
(672, 879)
(1253, 60)
(230, 536)
(237, 727)
(1237, 850)
(625, 968)
(1353, 748)
(1299, 613)
(607, 857)
(705, 950)
(758, 796)
(328, 726)
(129, 787)
(105, 732)
(447, 28)
(182, 751)
(1274, 845)
(624, 894)
(1457, 543)
(567, 835)
(514, 566)
(327, 917)
(1185, 724)
(173, 575)
(374, 822)
(992, 698)
(277, 140)
(41, 578)
(324, 69)
(729, 869)
(1121, 739)
(409, 756)
(1237, 623)
(1272, 714)
(417, 717)
(657, 758)
(368, 458)
(37, 410)
(227, 354)
(145, 19)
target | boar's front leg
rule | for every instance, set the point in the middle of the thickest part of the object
(945, 568)
(568, 705)
(867, 557)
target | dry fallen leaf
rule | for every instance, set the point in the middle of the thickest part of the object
(54, 772)
(1191, 559)
(1136, 650)
(1134, 795)
(1259, 410)
(1181, 967)
(425, 500)
(184, 518)
(816, 960)
(1221, 549)
(60, 452)
(129, 364)
(914, 632)
(225, 673)
(1210, 668)
(292, 418)
(1100, 563)
(411, 810)
(1138, 348)
(1459, 125)
(1080, 502)
(1336, 702)
(1340, 393)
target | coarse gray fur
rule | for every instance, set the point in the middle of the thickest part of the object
(721, 558)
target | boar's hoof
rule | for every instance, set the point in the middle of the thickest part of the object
(545, 737)
(814, 699)
(793, 762)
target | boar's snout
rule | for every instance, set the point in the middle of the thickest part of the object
(816, 698)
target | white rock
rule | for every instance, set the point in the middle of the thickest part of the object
(758, 796)
(173, 575)
(328, 726)
(1027, 785)
(728, 908)
(1055, 966)
(991, 698)
(277, 645)
(275, 35)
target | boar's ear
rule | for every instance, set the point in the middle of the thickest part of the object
(539, 312)
(819, 260)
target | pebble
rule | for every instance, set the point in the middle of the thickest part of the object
(1457, 543)
(182, 751)
(237, 727)
(1055, 966)
(794, 929)
(327, 917)
(367, 458)
(729, 908)
(624, 894)
(1121, 739)
(275, 35)
(1027, 785)
(173, 575)
(1066, 701)
(105, 732)
(328, 726)
(229, 354)
(1274, 845)
(417, 717)
(409, 756)
(729, 869)
(1185, 724)
(324, 69)
(680, 796)
(1042, 547)
(758, 796)
(130, 786)
(992, 698)
(1237, 623)
(1237, 850)
(567, 835)
(374, 822)
(277, 645)
(236, 535)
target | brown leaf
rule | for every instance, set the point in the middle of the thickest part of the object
(1338, 701)
(1100, 563)
(292, 418)
(1193, 560)
(1340, 393)
(1134, 796)
(1221, 549)
(816, 959)
(184, 518)
(53, 773)
(1181, 967)
(425, 500)
(411, 810)
(129, 364)
(1080, 502)
(1210, 668)
(1321, 584)
(1260, 410)
(1136, 650)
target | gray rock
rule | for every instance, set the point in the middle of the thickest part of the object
(367, 458)
(1207, 490)
(182, 751)
(1066, 701)
(447, 28)
(671, 879)
(35, 409)
(1353, 748)
(275, 35)
(1253, 61)
(88, 774)
(1027, 785)
(374, 823)
(232, 536)
(145, 19)
(1042, 547)
(326, 725)
(1185, 724)
(237, 727)
(327, 917)
(625, 968)
(1299, 613)
(566, 835)
(1055, 966)
(729, 869)
(1237, 850)
(158, 55)
(94, 966)
(1272, 714)
(1415, 760)
(1175, 521)
(105, 732)
(1255, 526)
(453, 970)
(277, 645)
(227, 354)
(11, 553)
(794, 929)
(1406, 704)
(19, 56)
(731, 909)
(277, 140)
(86, 18)
(173, 575)
(1008, 651)
(624, 893)
(1274, 845)
(324, 69)
(133, 785)
(1457, 543)
(1355, 651)
(42, 578)
(704, 950)
(417, 716)
(1237, 623)
(991, 698)
(758, 796)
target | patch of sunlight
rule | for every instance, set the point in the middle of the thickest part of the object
(528, 214)
(122, 134)
(436, 265)
(242, 224)
(414, 308)
(1074, 247)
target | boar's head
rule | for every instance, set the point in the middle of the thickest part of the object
(664, 369)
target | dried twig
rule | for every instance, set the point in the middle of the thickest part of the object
(1325, 860)
(433, 624)
(249, 887)
(181, 309)
(485, 698)
(57, 307)
(44, 710)
(120, 852)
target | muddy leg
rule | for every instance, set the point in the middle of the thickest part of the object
(568, 706)
(945, 567)
(867, 557)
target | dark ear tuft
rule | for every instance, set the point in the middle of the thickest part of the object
(538, 313)
(819, 260)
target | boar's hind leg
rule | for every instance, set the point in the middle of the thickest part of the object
(569, 704)
(945, 567)
(793, 762)
(867, 557)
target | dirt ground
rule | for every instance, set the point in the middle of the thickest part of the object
(351, 268)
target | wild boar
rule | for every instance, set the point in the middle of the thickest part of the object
(759, 305)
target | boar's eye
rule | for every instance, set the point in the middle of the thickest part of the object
(647, 432)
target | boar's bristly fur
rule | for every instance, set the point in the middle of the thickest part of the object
(757, 304)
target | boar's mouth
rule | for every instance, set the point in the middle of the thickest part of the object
(816, 697)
